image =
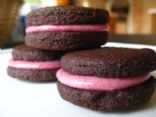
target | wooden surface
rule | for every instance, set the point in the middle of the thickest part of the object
(135, 39)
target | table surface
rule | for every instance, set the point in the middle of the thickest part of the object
(27, 99)
(135, 38)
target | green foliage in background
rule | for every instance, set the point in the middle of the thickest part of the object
(32, 1)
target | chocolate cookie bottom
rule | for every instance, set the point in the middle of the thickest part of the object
(109, 100)
(65, 41)
(33, 75)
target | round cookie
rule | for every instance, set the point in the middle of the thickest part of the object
(63, 15)
(103, 80)
(26, 53)
(67, 28)
(29, 63)
(110, 62)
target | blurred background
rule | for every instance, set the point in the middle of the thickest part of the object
(132, 21)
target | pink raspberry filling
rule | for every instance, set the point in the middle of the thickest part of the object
(34, 65)
(60, 28)
(96, 83)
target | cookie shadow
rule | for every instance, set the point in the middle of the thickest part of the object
(37, 82)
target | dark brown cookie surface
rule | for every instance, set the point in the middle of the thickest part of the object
(109, 101)
(33, 74)
(67, 15)
(66, 40)
(26, 53)
(110, 62)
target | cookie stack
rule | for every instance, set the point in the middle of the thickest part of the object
(50, 33)
(103, 79)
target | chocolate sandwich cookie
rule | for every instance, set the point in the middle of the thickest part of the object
(107, 79)
(67, 28)
(29, 63)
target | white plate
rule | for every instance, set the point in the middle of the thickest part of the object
(26, 99)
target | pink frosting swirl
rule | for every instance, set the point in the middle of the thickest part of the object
(34, 65)
(96, 83)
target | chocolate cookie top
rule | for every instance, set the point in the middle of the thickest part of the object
(110, 62)
(23, 52)
(58, 15)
